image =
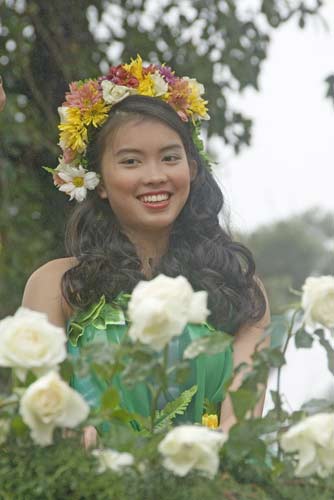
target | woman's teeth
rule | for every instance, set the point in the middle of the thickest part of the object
(154, 198)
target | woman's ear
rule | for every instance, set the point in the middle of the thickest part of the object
(193, 169)
(101, 190)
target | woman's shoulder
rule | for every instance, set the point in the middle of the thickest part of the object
(55, 267)
(43, 290)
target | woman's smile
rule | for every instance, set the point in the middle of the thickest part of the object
(155, 200)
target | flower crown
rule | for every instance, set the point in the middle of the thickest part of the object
(89, 102)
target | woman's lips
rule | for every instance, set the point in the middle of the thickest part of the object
(155, 200)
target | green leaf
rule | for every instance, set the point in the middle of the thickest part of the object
(328, 348)
(177, 407)
(66, 370)
(317, 405)
(122, 415)
(110, 399)
(109, 315)
(271, 357)
(244, 441)
(277, 330)
(214, 343)
(181, 372)
(243, 401)
(137, 371)
(18, 426)
(211, 408)
(303, 339)
(49, 169)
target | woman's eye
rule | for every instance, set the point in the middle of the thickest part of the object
(171, 158)
(129, 161)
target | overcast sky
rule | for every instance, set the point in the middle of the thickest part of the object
(290, 165)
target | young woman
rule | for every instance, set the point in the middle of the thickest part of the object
(148, 204)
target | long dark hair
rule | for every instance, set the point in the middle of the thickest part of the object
(199, 248)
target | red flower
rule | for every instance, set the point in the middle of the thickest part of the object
(119, 76)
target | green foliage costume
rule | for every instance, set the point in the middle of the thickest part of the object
(106, 323)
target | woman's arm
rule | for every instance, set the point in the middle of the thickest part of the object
(43, 291)
(244, 346)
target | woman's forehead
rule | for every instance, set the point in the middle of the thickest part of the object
(144, 132)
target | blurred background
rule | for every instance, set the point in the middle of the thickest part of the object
(267, 67)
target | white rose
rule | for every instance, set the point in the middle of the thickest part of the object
(28, 341)
(190, 447)
(198, 311)
(313, 440)
(160, 85)
(48, 403)
(4, 430)
(112, 459)
(113, 93)
(318, 301)
(160, 309)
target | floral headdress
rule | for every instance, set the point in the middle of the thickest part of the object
(89, 102)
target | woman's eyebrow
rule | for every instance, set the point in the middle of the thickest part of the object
(171, 146)
(135, 150)
(127, 150)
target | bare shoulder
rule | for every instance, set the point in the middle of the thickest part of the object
(43, 290)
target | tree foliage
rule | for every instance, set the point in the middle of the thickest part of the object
(44, 45)
(288, 251)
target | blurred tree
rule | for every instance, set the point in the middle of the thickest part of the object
(44, 45)
(288, 251)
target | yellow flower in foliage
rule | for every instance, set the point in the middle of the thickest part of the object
(73, 133)
(146, 86)
(135, 68)
(197, 105)
(210, 421)
(96, 115)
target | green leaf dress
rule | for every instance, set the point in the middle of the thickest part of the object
(107, 323)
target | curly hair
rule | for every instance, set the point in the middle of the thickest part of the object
(199, 248)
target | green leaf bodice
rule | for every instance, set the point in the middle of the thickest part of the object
(107, 323)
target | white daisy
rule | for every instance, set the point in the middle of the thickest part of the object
(76, 180)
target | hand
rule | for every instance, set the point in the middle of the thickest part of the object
(2, 96)
(89, 437)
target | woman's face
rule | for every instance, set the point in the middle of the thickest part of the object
(145, 175)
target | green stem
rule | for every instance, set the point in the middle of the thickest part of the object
(7, 403)
(279, 372)
(161, 387)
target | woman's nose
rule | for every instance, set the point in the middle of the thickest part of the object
(154, 173)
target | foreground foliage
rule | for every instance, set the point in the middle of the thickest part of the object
(280, 456)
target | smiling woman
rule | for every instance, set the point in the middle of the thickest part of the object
(154, 211)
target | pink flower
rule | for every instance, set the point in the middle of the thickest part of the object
(179, 98)
(83, 95)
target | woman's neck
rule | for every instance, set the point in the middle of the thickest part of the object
(150, 248)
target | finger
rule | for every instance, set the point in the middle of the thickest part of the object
(90, 437)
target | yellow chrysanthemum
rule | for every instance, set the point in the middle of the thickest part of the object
(146, 86)
(135, 67)
(96, 115)
(74, 137)
(210, 421)
(73, 133)
(197, 105)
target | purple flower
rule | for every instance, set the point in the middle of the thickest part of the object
(168, 74)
